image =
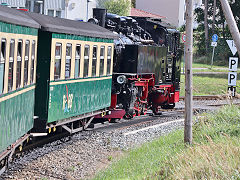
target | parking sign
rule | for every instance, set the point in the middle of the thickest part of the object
(232, 78)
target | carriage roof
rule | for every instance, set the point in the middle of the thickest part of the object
(13, 16)
(66, 26)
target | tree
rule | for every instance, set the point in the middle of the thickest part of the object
(134, 3)
(218, 26)
(119, 7)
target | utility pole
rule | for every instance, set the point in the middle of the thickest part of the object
(188, 73)
(214, 16)
(206, 25)
(231, 23)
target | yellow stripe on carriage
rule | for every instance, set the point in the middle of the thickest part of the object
(79, 80)
(18, 92)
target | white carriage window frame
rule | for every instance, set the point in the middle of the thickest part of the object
(77, 61)
(68, 61)
(33, 54)
(86, 61)
(26, 62)
(109, 59)
(19, 63)
(58, 57)
(94, 60)
(11, 65)
(102, 59)
(2, 64)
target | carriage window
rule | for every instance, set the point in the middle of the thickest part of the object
(26, 62)
(94, 61)
(2, 64)
(102, 55)
(11, 63)
(57, 65)
(109, 54)
(86, 61)
(33, 61)
(19, 64)
(68, 61)
(77, 60)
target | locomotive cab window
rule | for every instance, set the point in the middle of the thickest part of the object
(2, 64)
(68, 61)
(86, 61)
(77, 61)
(11, 63)
(102, 55)
(94, 61)
(57, 65)
(109, 57)
(19, 64)
(26, 62)
(33, 61)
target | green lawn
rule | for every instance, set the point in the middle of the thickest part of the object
(208, 66)
(215, 84)
(215, 153)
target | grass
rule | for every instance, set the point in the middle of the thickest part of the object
(215, 153)
(207, 67)
(203, 65)
(216, 150)
(145, 160)
(214, 84)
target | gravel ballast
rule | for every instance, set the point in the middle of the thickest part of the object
(81, 155)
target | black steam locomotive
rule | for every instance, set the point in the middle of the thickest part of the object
(146, 69)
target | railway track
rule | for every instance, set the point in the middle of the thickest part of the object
(210, 97)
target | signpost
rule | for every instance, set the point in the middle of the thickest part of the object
(232, 46)
(233, 65)
(214, 44)
(184, 41)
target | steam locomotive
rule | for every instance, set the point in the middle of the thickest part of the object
(146, 69)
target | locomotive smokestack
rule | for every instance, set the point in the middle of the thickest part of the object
(100, 15)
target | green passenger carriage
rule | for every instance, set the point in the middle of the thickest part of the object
(18, 46)
(74, 72)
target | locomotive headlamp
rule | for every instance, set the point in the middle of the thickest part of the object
(121, 79)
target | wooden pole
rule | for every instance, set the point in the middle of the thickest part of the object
(231, 23)
(206, 25)
(188, 73)
(214, 16)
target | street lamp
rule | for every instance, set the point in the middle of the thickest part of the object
(88, 1)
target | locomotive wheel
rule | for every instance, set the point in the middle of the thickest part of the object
(157, 112)
(168, 106)
(143, 109)
(129, 114)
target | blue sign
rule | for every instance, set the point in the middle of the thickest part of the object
(215, 38)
